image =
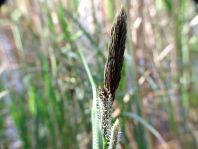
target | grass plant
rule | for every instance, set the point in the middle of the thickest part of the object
(53, 58)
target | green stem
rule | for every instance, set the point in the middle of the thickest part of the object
(104, 142)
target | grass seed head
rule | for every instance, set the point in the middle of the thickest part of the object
(116, 47)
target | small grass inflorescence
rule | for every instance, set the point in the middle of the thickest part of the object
(112, 76)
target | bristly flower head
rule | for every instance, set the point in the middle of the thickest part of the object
(114, 135)
(116, 47)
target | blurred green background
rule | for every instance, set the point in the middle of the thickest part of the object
(48, 46)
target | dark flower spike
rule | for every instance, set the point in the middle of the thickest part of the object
(112, 76)
(116, 47)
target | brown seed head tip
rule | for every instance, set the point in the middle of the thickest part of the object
(122, 13)
(116, 47)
